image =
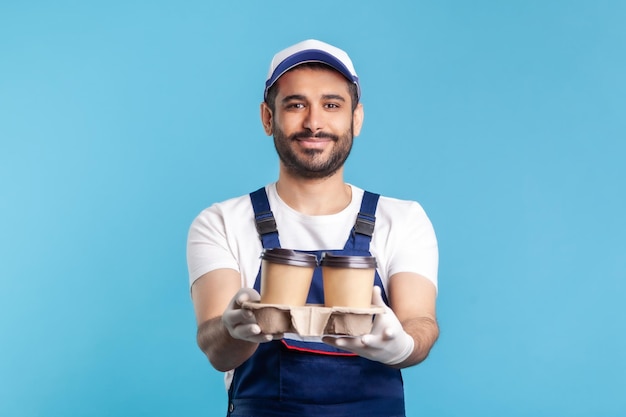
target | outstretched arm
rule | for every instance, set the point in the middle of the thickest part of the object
(413, 300)
(404, 334)
(227, 334)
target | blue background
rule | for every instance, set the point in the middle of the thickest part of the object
(120, 121)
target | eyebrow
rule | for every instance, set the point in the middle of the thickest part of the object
(333, 97)
(301, 97)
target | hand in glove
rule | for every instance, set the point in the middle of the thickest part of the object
(241, 323)
(387, 342)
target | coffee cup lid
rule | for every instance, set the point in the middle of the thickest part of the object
(348, 261)
(289, 257)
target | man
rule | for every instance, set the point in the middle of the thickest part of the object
(311, 107)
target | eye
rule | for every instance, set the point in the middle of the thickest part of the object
(332, 106)
(295, 106)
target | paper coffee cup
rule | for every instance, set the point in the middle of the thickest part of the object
(286, 276)
(348, 280)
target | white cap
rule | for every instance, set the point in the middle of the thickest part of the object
(311, 51)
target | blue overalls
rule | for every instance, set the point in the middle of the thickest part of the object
(295, 378)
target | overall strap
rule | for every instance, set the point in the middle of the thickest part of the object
(264, 218)
(363, 229)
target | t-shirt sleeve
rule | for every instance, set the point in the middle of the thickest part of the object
(207, 245)
(413, 246)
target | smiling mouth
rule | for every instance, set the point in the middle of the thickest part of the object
(313, 144)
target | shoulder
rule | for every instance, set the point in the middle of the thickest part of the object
(405, 220)
(224, 212)
(390, 207)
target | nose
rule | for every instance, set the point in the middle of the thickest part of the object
(314, 120)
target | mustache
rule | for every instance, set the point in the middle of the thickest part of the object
(319, 135)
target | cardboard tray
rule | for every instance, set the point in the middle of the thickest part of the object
(313, 319)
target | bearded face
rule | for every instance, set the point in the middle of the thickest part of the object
(313, 162)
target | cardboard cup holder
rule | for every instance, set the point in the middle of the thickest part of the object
(313, 319)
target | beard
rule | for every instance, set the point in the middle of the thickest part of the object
(311, 163)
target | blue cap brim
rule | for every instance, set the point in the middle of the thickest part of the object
(311, 55)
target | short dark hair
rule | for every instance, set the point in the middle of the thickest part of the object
(272, 92)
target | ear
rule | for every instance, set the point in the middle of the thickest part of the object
(357, 119)
(267, 118)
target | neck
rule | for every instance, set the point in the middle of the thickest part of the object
(314, 197)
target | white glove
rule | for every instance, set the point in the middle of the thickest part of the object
(241, 323)
(387, 342)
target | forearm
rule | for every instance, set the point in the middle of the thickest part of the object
(424, 331)
(223, 351)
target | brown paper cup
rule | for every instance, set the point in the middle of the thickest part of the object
(286, 276)
(348, 280)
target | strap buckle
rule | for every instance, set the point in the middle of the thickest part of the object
(364, 225)
(265, 223)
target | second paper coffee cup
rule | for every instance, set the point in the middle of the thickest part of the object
(348, 280)
(286, 276)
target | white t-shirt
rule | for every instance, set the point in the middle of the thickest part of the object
(224, 236)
